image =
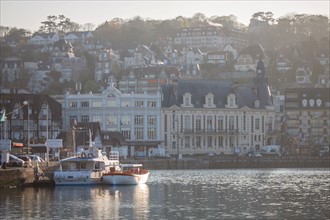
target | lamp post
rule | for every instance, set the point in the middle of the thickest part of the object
(28, 125)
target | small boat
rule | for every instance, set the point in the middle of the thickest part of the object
(87, 168)
(126, 174)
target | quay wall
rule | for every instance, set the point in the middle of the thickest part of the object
(232, 163)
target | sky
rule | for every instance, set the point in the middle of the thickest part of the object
(29, 14)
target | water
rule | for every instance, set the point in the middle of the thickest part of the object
(183, 194)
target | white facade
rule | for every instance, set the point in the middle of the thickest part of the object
(44, 39)
(212, 130)
(137, 116)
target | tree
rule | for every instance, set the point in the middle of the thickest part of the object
(5, 50)
(59, 24)
(17, 35)
(198, 20)
(88, 27)
(50, 25)
(4, 31)
(91, 86)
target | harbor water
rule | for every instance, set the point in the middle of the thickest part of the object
(182, 194)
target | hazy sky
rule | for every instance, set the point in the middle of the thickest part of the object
(29, 14)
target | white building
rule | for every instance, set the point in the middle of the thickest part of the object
(136, 116)
(201, 117)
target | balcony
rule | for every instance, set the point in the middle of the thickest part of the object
(211, 131)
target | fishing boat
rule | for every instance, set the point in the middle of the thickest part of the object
(87, 168)
(126, 174)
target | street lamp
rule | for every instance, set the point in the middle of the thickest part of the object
(28, 123)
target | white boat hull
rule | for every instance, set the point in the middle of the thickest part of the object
(77, 178)
(122, 179)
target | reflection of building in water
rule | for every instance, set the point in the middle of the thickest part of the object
(116, 202)
(101, 201)
(141, 199)
(130, 202)
(79, 202)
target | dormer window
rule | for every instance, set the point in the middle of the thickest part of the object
(209, 101)
(231, 101)
(257, 104)
(187, 100)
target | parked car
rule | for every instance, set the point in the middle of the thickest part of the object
(36, 158)
(14, 161)
(26, 158)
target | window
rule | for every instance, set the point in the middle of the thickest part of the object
(125, 104)
(198, 141)
(139, 104)
(84, 118)
(73, 119)
(126, 134)
(187, 142)
(198, 123)
(111, 120)
(209, 123)
(165, 123)
(186, 101)
(138, 120)
(231, 102)
(151, 120)
(187, 122)
(125, 120)
(231, 122)
(151, 133)
(209, 141)
(231, 141)
(209, 101)
(97, 104)
(97, 118)
(151, 103)
(72, 104)
(138, 133)
(111, 103)
(220, 141)
(257, 123)
(220, 123)
(84, 104)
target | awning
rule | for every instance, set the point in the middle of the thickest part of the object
(17, 144)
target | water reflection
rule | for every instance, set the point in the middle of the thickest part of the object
(130, 202)
(182, 194)
(241, 194)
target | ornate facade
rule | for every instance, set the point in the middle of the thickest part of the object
(201, 117)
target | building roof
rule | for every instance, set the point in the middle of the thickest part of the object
(246, 95)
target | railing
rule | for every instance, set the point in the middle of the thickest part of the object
(211, 131)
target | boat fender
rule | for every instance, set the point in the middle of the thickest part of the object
(83, 154)
(90, 155)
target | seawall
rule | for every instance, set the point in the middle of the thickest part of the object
(232, 163)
